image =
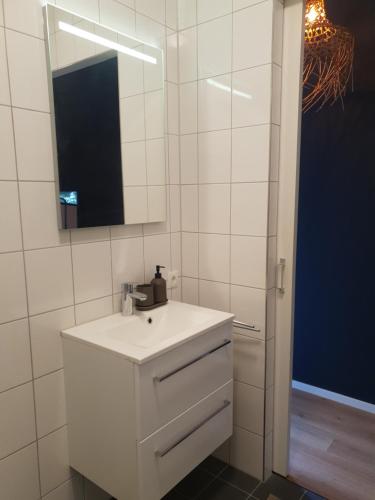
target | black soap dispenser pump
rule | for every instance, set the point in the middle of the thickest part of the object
(160, 286)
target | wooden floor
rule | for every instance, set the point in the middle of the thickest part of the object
(332, 448)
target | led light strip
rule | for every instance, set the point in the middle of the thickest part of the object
(106, 43)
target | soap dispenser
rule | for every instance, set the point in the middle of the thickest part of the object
(160, 286)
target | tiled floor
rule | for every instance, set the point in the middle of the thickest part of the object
(215, 480)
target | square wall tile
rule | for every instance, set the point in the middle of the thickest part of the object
(35, 160)
(155, 74)
(4, 80)
(214, 257)
(214, 295)
(215, 47)
(19, 476)
(49, 279)
(187, 13)
(188, 108)
(54, 460)
(94, 309)
(131, 231)
(173, 109)
(89, 235)
(154, 9)
(249, 306)
(86, 8)
(133, 118)
(246, 452)
(91, 271)
(249, 360)
(209, 10)
(214, 149)
(249, 408)
(176, 252)
(50, 402)
(252, 96)
(10, 221)
(155, 154)
(38, 203)
(171, 14)
(189, 208)
(157, 203)
(174, 159)
(157, 252)
(117, 16)
(26, 17)
(17, 421)
(249, 211)
(134, 163)
(249, 261)
(27, 71)
(172, 58)
(241, 4)
(251, 154)
(189, 249)
(127, 262)
(13, 303)
(189, 159)
(15, 359)
(175, 201)
(214, 208)
(214, 97)
(46, 342)
(190, 294)
(7, 151)
(150, 31)
(154, 113)
(187, 43)
(252, 36)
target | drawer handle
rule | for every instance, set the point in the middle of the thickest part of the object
(162, 454)
(245, 326)
(170, 374)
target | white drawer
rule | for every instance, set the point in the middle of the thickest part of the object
(177, 380)
(170, 454)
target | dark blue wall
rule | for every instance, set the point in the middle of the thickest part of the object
(335, 298)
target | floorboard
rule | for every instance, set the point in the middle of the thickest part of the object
(332, 448)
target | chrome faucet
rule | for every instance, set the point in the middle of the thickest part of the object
(128, 298)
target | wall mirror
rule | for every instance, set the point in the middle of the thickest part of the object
(107, 104)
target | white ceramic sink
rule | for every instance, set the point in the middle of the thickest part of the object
(148, 334)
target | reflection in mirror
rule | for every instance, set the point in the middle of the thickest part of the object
(107, 93)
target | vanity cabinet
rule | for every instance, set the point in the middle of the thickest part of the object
(137, 429)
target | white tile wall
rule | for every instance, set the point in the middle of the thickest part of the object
(217, 85)
(230, 70)
(51, 279)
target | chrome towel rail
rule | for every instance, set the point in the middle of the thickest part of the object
(245, 326)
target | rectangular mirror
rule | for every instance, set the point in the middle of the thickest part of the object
(107, 102)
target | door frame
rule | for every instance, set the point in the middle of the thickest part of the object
(290, 138)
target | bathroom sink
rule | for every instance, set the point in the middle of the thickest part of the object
(144, 335)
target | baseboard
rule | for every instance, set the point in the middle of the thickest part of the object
(333, 396)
